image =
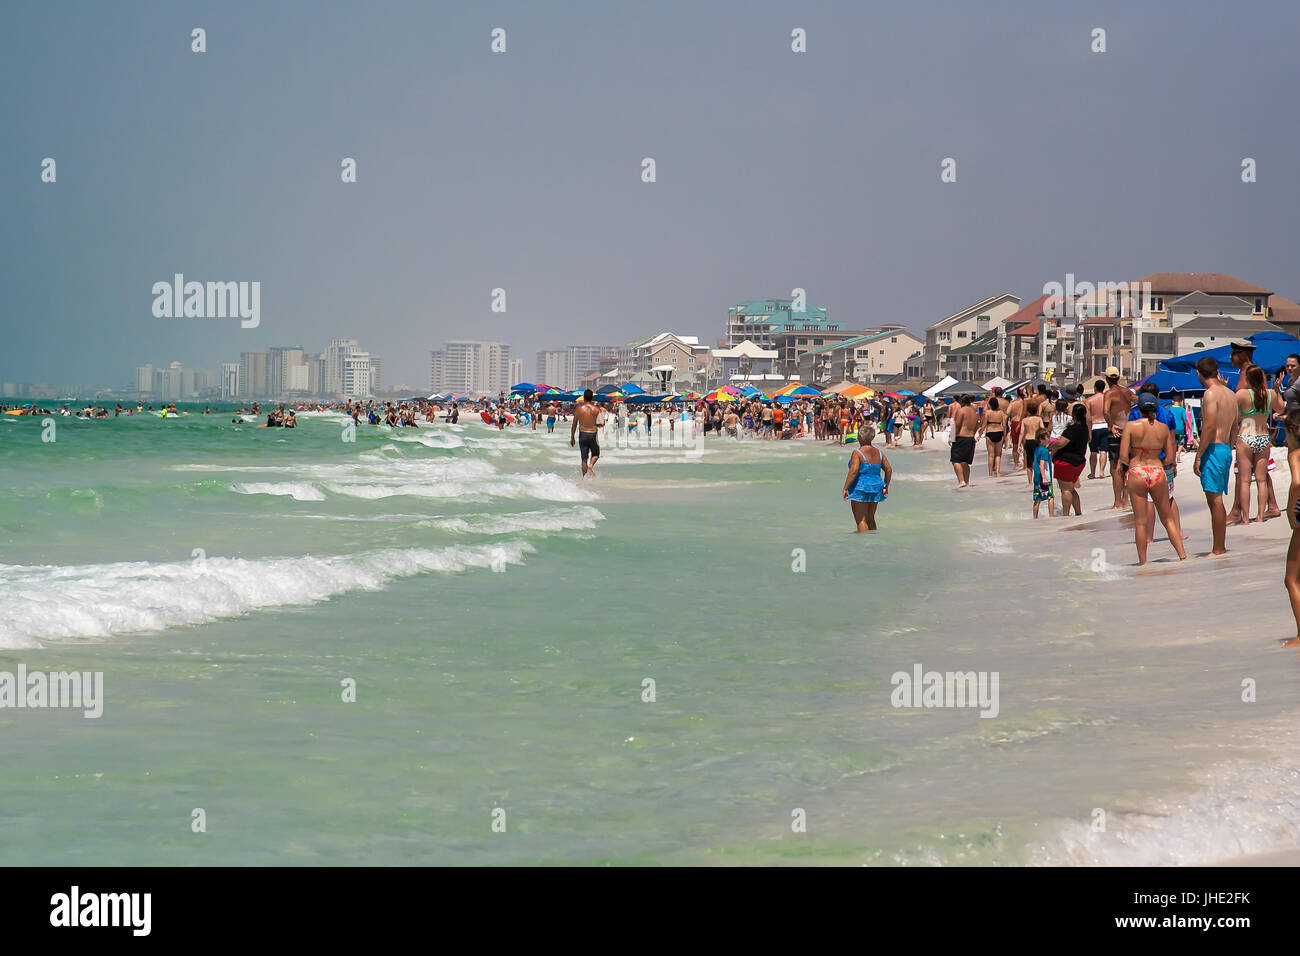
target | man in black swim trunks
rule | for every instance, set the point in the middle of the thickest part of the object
(586, 416)
(964, 424)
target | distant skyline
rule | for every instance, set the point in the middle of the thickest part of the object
(522, 170)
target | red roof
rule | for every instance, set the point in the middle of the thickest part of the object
(1214, 283)
(1030, 317)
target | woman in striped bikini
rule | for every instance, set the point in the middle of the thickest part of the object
(1254, 442)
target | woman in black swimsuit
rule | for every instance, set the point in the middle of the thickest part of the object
(995, 430)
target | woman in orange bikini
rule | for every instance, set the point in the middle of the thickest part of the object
(1139, 453)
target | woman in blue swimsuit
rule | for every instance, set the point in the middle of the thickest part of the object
(867, 483)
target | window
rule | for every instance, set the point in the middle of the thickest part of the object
(893, 340)
(817, 341)
(802, 341)
(1156, 303)
(1259, 305)
(961, 334)
(1198, 345)
(882, 351)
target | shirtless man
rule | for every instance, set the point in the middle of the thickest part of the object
(1015, 412)
(586, 421)
(964, 424)
(1117, 403)
(1214, 456)
(1099, 436)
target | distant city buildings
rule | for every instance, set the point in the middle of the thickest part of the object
(175, 383)
(342, 370)
(571, 366)
(465, 367)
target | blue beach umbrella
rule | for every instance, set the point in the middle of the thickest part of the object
(1271, 350)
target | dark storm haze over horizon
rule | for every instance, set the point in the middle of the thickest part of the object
(522, 170)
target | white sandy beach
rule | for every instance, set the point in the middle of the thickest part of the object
(1235, 603)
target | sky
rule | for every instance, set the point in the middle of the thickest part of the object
(522, 170)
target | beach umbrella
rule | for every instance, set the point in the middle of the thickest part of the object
(630, 389)
(798, 390)
(1271, 350)
(1190, 382)
(905, 391)
(855, 392)
(523, 388)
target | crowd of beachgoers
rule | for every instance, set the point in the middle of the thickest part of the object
(1134, 437)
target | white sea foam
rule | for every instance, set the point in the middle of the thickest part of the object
(374, 476)
(1244, 808)
(298, 490)
(87, 602)
(432, 439)
(582, 517)
(991, 542)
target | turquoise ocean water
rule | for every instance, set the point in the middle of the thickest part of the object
(499, 618)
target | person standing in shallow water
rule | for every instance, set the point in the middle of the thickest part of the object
(964, 425)
(868, 480)
(1140, 450)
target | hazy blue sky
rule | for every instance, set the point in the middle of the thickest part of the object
(522, 170)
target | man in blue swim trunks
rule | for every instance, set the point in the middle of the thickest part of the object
(1213, 466)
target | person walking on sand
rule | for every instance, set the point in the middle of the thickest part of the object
(867, 483)
(1166, 417)
(1144, 443)
(1015, 413)
(1213, 462)
(994, 428)
(1242, 355)
(1068, 456)
(964, 425)
(1118, 402)
(1040, 469)
(1255, 400)
(1292, 576)
(586, 424)
(1029, 427)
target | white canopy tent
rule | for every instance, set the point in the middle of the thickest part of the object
(939, 386)
(997, 381)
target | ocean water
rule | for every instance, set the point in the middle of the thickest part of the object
(499, 618)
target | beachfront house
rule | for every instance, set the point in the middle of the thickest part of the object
(914, 365)
(1285, 314)
(1040, 339)
(761, 320)
(962, 328)
(744, 360)
(870, 358)
(975, 361)
(1212, 331)
(688, 358)
(1136, 329)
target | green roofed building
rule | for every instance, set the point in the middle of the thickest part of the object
(761, 320)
